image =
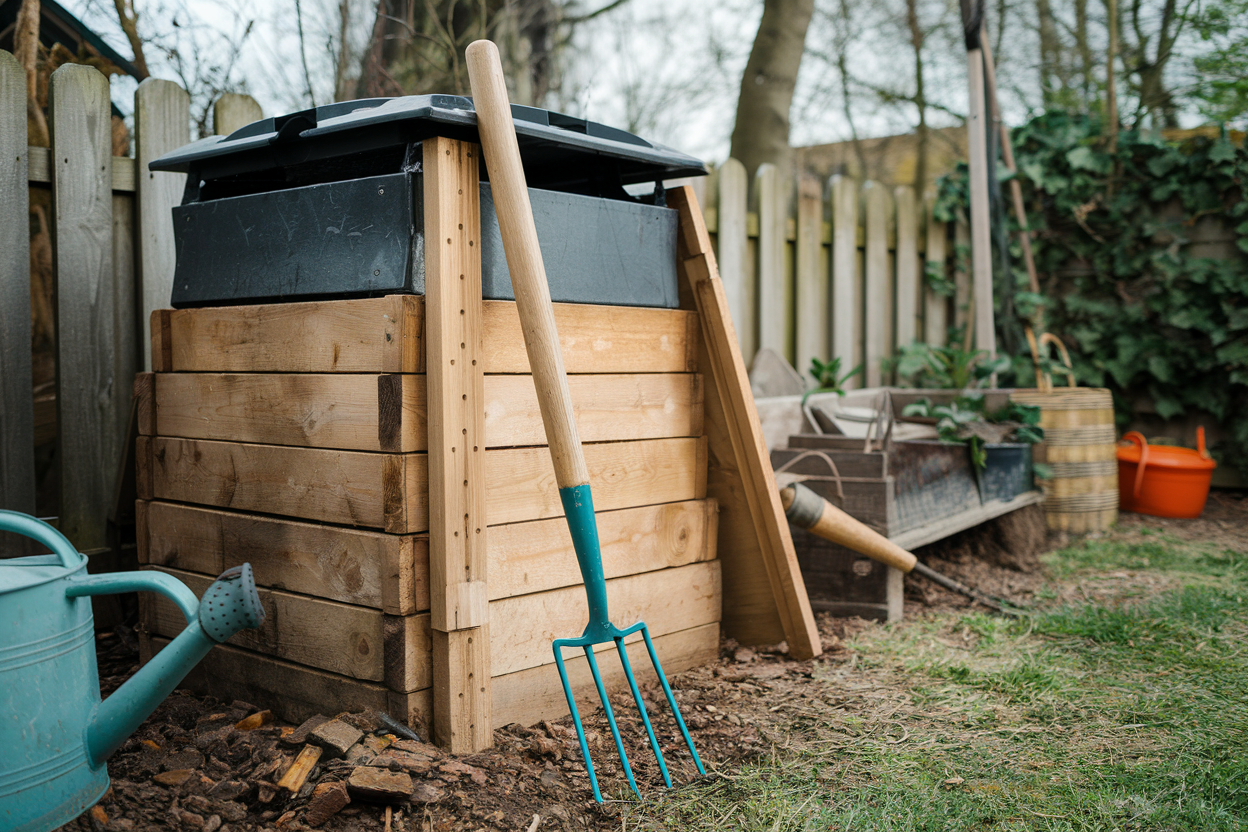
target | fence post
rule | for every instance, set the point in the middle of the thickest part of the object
(17, 419)
(232, 111)
(769, 194)
(879, 283)
(812, 277)
(731, 237)
(907, 267)
(82, 203)
(161, 123)
(845, 312)
(936, 305)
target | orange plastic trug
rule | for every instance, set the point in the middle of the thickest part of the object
(1163, 480)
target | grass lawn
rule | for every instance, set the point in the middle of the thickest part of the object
(1122, 703)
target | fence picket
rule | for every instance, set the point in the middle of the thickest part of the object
(812, 276)
(845, 312)
(936, 305)
(961, 274)
(162, 123)
(232, 111)
(732, 239)
(907, 266)
(878, 283)
(17, 420)
(773, 294)
(86, 301)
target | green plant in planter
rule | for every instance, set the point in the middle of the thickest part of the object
(949, 367)
(828, 377)
(965, 421)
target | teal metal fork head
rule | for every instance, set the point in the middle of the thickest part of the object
(578, 506)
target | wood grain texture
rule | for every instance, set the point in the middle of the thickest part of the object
(935, 305)
(366, 568)
(87, 388)
(232, 111)
(144, 393)
(529, 696)
(668, 601)
(521, 482)
(17, 415)
(538, 556)
(462, 717)
(161, 124)
(126, 349)
(40, 169)
(981, 229)
(753, 527)
(312, 410)
(774, 300)
(291, 691)
(878, 283)
(161, 347)
(812, 277)
(612, 407)
(732, 240)
(845, 313)
(908, 274)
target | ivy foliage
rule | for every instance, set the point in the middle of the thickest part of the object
(1133, 277)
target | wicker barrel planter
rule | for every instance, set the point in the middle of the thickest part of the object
(1082, 494)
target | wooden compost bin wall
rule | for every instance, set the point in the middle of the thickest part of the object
(295, 437)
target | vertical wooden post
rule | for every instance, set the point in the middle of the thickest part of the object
(161, 123)
(879, 283)
(769, 192)
(459, 603)
(17, 419)
(812, 278)
(82, 200)
(845, 313)
(908, 282)
(936, 305)
(232, 111)
(126, 350)
(961, 277)
(981, 225)
(731, 240)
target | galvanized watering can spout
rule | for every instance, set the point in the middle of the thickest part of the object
(230, 604)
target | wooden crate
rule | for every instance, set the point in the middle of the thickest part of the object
(381, 463)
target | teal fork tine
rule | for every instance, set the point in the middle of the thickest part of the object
(537, 322)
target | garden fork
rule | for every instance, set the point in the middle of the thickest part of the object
(537, 320)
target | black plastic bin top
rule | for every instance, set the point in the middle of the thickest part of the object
(367, 137)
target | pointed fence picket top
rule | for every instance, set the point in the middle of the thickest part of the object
(232, 111)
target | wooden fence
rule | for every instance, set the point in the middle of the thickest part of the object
(842, 275)
(837, 268)
(112, 262)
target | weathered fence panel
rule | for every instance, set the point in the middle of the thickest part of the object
(935, 305)
(732, 253)
(773, 290)
(812, 276)
(232, 111)
(878, 314)
(908, 319)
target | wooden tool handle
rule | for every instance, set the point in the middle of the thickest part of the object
(524, 260)
(815, 514)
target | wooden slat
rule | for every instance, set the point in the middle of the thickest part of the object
(17, 415)
(935, 305)
(845, 314)
(753, 527)
(732, 240)
(126, 349)
(529, 696)
(366, 568)
(668, 601)
(812, 277)
(232, 111)
(538, 556)
(597, 339)
(908, 283)
(607, 408)
(773, 296)
(291, 691)
(122, 174)
(879, 283)
(961, 272)
(462, 655)
(520, 482)
(161, 124)
(86, 302)
(313, 410)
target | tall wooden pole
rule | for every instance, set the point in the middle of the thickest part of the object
(981, 231)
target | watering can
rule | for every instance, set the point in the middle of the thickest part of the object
(55, 733)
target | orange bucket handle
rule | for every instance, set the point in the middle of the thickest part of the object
(1137, 438)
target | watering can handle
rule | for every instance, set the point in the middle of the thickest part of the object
(36, 529)
(1137, 438)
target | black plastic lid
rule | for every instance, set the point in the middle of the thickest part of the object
(559, 151)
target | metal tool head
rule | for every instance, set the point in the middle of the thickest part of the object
(607, 634)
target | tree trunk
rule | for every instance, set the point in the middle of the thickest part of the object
(920, 97)
(761, 133)
(1085, 52)
(1050, 52)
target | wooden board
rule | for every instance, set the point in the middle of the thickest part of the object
(385, 335)
(341, 638)
(668, 600)
(529, 696)
(763, 587)
(366, 568)
(521, 481)
(291, 691)
(388, 412)
(538, 556)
